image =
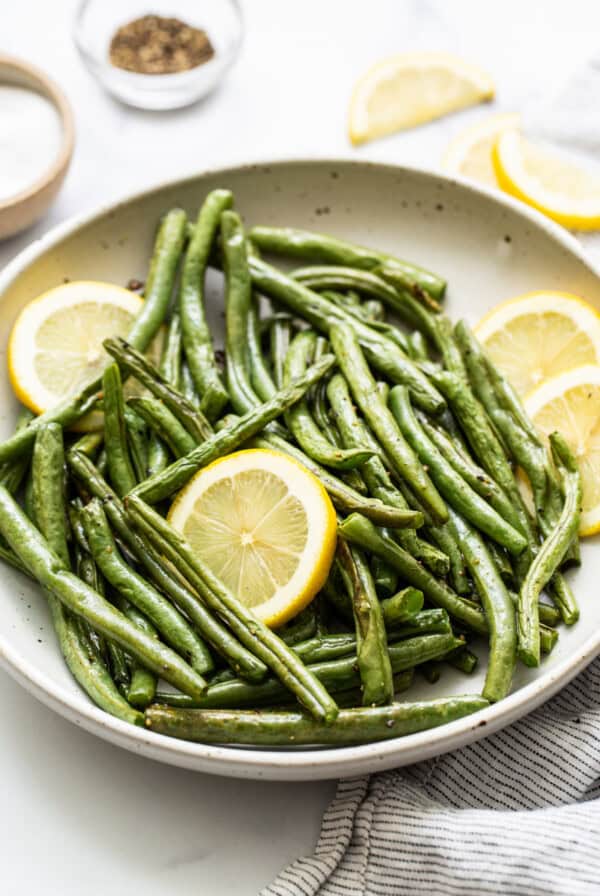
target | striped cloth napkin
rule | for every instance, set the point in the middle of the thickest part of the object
(517, 814)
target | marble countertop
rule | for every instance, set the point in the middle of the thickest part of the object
(79, 814)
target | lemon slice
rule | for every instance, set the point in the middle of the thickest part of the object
(264, 525)
(570, 403)
(55, 346)
(411, 89)
(539, 335)
(553, 184)
(469, 154)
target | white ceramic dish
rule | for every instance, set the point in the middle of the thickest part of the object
(488, 246)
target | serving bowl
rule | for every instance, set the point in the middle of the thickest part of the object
(490, 247)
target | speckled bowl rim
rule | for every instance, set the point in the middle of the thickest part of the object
(48, 88)
(297, 764)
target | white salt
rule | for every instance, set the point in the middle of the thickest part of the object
(30, 138)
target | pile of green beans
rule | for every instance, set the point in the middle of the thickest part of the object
(414, 434)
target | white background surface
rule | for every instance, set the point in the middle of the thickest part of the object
(78, 815)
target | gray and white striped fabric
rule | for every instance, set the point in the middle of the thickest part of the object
(517, 814)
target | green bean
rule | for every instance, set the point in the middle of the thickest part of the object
(548, 639)
(427, 622)
(146, 373)
(89, 444)
(371, 644)
(229, 438)
(362, 725)
(498, 607)
(101, 463)
(360, 531)
(462, 659)
(324, 648)
(170, 369)
(383, 390)
(142, 685)
(384, 577)
(442, 335)
(454, 567)
(239, 658)
(352, 698)
(431, 671)
(344, 498)
(451, 485)
(260, 375)
(11, 558)
(301, 627)
(550, 554)
(360, 312)
(48, 465)
(563, 598)
(402, 606)
(275, 317)
(238, 298)
(518, 434)
(164, 424)
(171, 356)
(369, 283)
(241, 621)
(329, 427)
(417, 347)
(350, 298)
(336, 675)
(167, 249)
(197, 340)
(484, 444)
(137, 442)
(549, 513)
(381, 421)
(374, 309)
(299, 419)
(187, 386)
(173, 627)
(86, 667)
(502, 564)
(88, 572)
(355, 435)
(117, 450)
(13, 472)
(474, 475)
(280, 334)
(549, 615)
(384, 354)
(77, 597)
(329, 250)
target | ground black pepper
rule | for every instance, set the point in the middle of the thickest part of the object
(154, 45)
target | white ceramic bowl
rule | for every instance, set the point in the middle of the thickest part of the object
(488, 246)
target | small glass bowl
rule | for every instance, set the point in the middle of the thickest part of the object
(96, 22)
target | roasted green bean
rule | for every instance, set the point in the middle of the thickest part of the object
(197, 340)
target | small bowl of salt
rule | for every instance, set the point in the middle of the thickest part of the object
(36, 143)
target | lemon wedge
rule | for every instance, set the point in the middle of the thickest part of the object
(469, 154)
(566, 192)
(55, 347)
(539, 335)
(411, 89)
(265, 527)
(570, 403)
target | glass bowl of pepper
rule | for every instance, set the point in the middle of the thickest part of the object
(161, 59)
